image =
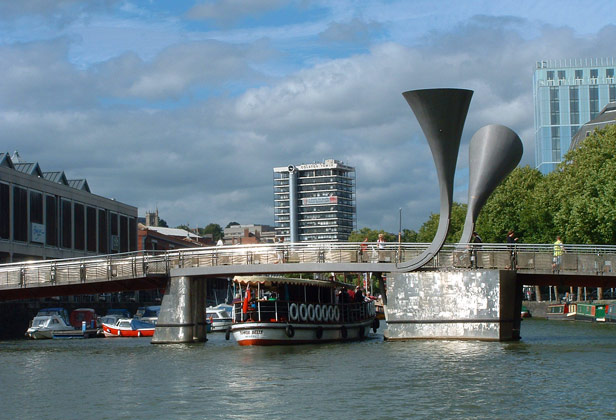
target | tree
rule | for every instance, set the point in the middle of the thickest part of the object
(214, 229)
(162, 223)
(232, 224)
(372, 235)
(427, 231)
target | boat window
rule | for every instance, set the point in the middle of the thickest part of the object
(54, 321)
(124, 324)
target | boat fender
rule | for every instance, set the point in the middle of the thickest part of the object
(343, 331)
(362, 332)
(138, 333)
(311, 313)
(303, 312)
(332, 313)
(319, 332)
(318, 315)
(336, 314)
(375, 324)
(228, 333)
(289, 331)
(324, 313)
(293, 312)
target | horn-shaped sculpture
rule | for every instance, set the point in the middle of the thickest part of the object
(441, 114)
(494, 152)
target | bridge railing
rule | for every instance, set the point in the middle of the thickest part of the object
(590, 259)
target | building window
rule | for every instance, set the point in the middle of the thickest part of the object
(579, 75)
(67, 227)
(609, 73)
(20, 214)
(555, 144)
(593, 93)
(51, 220)
(123, 234)
(115, 238)
(37, 232)
(91, 228)
(594, 74)
(550, 75)
(554, 106)
(574, 105)
(80, 218)
(5, 212)
(612, 93)
(132, 234)
(102, 232)
(561, 77)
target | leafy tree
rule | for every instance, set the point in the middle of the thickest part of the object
(409, 235)
(427, 231)
(214, 229)
(232, 224)
(185, 227)
(372, 235)
(162, 223)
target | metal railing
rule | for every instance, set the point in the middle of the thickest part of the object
(586, 259)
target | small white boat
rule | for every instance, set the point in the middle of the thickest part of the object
(279, 310)
(129, 328)
(43, 326)
(219, 317)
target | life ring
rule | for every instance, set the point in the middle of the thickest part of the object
(375, 324)
(331, 313)
(344, 332)
(325, 313)
(293, 312)
(319, 332)
(318, 313)
(362, 332)
(311, 312)
(336, 314)
(289, 331)
(303, 312)
(228, 333)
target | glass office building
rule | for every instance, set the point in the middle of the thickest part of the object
(567, 94)
(314, 202)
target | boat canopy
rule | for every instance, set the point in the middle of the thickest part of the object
(269, 280)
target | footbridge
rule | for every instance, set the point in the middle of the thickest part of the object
(581, 265)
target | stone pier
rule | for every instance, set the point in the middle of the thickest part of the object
(454, 305)
(182, 312)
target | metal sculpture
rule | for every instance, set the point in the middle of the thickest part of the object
(441, 114)
(495, 151)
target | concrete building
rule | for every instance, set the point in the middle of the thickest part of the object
(248, 234)
(314, 201)
(607, 116)
(567, 94)
(46, 215)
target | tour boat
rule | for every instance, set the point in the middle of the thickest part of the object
(219, 317)
(278, 310)
(43, 326)
(129, 328)
(610, 312)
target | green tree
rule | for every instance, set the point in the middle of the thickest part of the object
(214, 229)
(232, 224)
(372, 235)
(427, 231)
(162, 223)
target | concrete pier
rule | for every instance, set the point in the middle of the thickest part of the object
(454, 305)
(182, 312)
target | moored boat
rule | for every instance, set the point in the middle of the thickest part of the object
(525, 313)
(43, 326)
(591, 312)
(219, 317)
(561, 311)
(129, 328)
(610, 312)
(279, 310)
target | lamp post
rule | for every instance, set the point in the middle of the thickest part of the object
(399, 234)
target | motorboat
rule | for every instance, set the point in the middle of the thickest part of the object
(87, 315)
(113, 315)
(148, 314)
(219, 317)
(43, 326)
(126, 327)
(279, 310)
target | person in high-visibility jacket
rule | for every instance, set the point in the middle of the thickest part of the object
(559, 250)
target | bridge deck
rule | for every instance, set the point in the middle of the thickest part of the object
(146, 270)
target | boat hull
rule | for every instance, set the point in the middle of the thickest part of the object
(112, 331)
(269, 334)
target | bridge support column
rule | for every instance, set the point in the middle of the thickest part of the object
(454, 305)
(182, 312)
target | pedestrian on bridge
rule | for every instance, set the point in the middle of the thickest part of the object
(511, 241)
(559, 250)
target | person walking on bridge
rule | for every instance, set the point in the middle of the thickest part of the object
(559, 250)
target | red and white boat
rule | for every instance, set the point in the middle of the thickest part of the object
(129, 328)
(279, 310)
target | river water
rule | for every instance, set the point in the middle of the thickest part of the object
(559, 370)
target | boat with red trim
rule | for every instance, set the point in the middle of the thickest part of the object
(125, 327)
(278, 310)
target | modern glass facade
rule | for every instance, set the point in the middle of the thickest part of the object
(314, 202)
(567, 94)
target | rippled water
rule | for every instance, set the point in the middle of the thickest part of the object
(559, 370)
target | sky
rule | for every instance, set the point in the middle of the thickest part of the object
(187, 106)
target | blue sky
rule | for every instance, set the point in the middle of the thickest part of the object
(187, 106)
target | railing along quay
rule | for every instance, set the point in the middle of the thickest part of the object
(577, 259)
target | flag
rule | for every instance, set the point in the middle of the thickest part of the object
(246, 300)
